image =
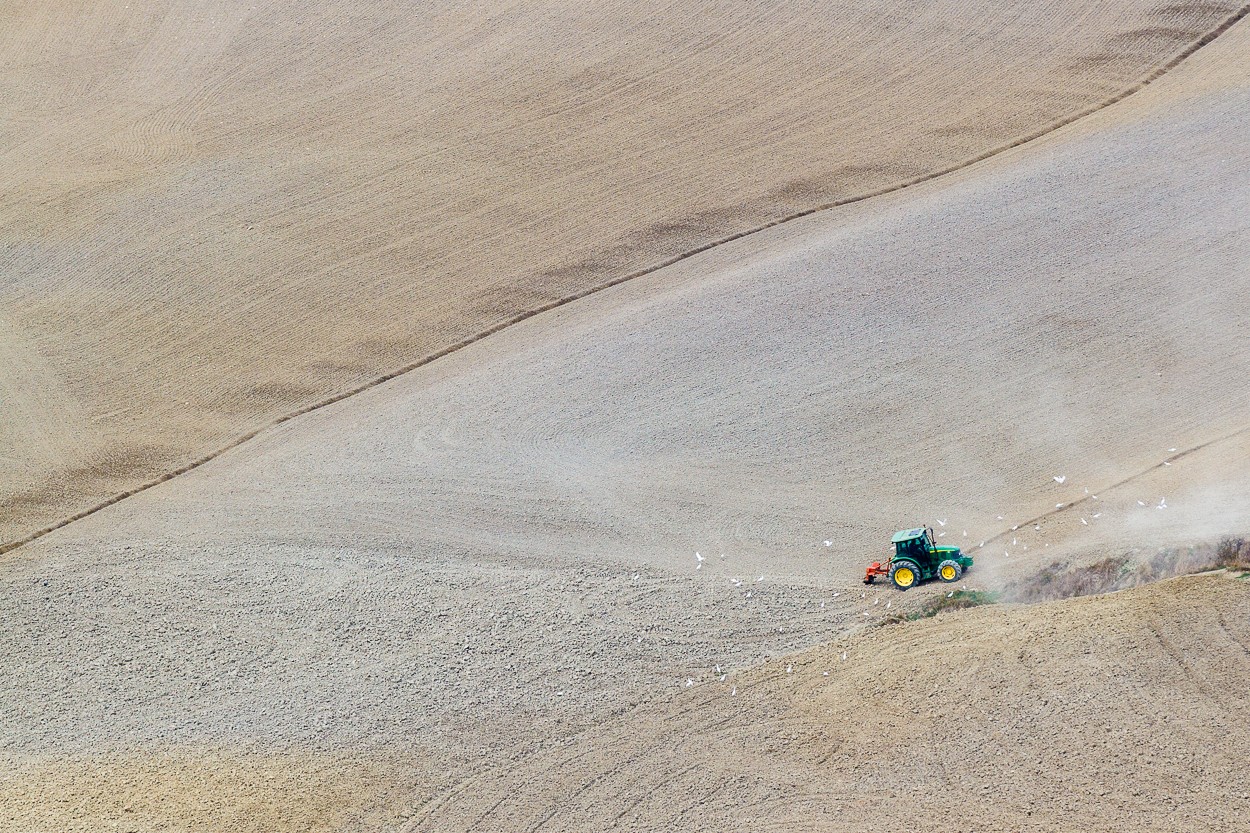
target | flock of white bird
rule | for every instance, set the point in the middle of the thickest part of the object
(1060, 479)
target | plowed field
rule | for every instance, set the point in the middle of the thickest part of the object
(214, 214)
(601, 569)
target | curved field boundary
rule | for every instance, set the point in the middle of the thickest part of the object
(1153, 76)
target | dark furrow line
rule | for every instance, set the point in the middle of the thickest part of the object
(1153, 76)
(1059, 510)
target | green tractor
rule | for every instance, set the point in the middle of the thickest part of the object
(916, 558)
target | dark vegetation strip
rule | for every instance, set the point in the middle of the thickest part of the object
(1153, 76)
(957, 600)
(1120, 572)
(1063, 580)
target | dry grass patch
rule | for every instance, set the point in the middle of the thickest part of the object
(188, 791)
(1062, 580)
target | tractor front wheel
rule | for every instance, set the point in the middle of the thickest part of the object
(949, 571)
(904, 574)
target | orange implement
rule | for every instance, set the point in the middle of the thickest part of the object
(875, 570)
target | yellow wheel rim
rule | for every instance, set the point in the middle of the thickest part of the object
(948, 572)
(904, 577)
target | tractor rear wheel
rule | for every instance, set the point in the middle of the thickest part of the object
(949, 571)
(904, 574)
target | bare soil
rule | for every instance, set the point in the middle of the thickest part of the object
(501, 591)
(214, 214)
(1126, 712)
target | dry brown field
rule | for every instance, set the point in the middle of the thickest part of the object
(215, 214)
(601, 569)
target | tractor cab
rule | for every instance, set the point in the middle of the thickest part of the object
(916, 544)
(918, 558)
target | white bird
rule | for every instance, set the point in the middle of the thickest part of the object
(698, 556)
(1000, 517)
(941, 523)
(718, 669)
(699, 566)
(965, 533)
(1013, 542)
(1014, 528)
(1141, 503)
(822, 605)
(828, 543)
(737, 582)
(889, 605)
(876, 601)
(1097, 514)
(835, 595)
(1087, 490)
(826, 674)
(1084, 521)
(948, 595)
(789, 669)
(748, 594)
(634, 577)
(734, 693)
(761, 578)
(1171, 449)
(722, 677)
(844, 656)
(1059, 478)
(689, 682)
(1166, 463)
(941, 534)
(866, 613)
